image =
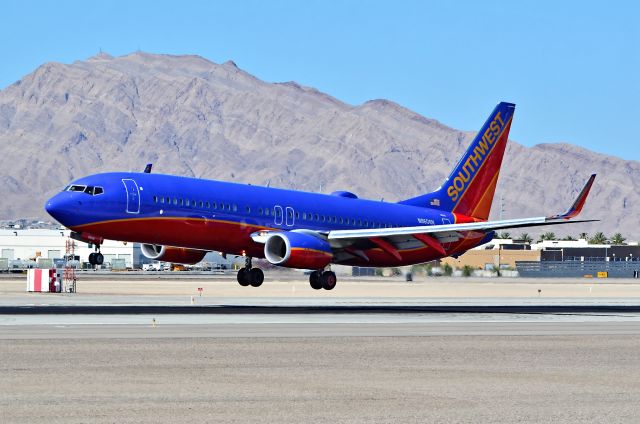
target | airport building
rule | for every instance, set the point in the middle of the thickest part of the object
(44, 248)
(554, 258)
(24, 248)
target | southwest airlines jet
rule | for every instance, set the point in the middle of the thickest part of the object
(178, 219)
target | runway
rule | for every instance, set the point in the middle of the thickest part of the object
(162, 353)
(225, 321)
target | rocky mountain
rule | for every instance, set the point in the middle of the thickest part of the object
(192, 117)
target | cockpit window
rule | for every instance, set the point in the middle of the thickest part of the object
(90, 190)
(76, 188)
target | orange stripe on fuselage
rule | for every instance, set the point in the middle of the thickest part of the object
(306, 249)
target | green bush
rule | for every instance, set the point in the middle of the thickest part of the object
(467, 271)
(447, 270)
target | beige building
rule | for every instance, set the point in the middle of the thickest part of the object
(490, 258)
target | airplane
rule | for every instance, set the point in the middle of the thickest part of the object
(179, 219)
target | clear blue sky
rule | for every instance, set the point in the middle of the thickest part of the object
(573, 68)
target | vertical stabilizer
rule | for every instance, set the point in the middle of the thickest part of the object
(470, 187)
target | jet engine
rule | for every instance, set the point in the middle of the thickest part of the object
(297, 250)
(179, 255)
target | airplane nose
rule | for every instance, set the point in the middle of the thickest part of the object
(54, 206)
(60, 207)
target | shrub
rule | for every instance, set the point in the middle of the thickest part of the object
(467, 271)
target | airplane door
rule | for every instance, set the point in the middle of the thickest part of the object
(133, 196)
(277, 211)
(290, 220)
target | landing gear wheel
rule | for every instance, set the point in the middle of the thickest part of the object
(314, 280)
(99, 258)
(243, 277)
(256, 277)
(92, 258)
(328, 280)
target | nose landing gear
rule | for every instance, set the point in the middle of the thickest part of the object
(249, 275)
(96, 258)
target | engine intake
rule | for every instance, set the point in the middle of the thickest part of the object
(297, 250)
(179, 255)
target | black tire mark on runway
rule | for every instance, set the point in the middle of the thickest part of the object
(606, 310)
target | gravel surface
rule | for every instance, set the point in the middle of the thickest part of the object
(567, 379)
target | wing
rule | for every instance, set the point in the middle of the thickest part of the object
(350, 243)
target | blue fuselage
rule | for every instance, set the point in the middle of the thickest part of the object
(214, 215)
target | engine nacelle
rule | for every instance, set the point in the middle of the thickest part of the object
(297, 250)
(179, 255)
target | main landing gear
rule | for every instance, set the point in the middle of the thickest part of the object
(96, 258)
(249, 275)
(323, 280)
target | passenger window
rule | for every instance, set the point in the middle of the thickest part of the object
(208, 205)
(175, 201)
(228, 206)
(162, 200)
(317, 217)
(297, 215)
(155, 199)
(215, 205)
(266, 212)
(304, 215)
(235, 208)
(260, 211)
(248, 209)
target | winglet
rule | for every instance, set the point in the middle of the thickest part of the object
(147, 169)
(576, 208)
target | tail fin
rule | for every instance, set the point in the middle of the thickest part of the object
(469, 189)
